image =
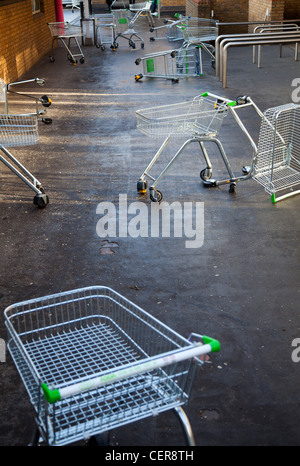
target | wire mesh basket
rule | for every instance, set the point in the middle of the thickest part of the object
(18, 130)
(201, 116)
(64, 29)
(277, 163)
(99, 360)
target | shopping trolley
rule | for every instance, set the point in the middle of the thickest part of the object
(21, 130)
(5, 89)
(124, 27)
(169, 29)
(65, 32)
(277, 161)
(91, 361)
(171, 64)
(200, 119)
(200, 31)
(144, 9)
(105, 30)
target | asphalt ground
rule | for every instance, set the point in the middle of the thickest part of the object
(240, 286)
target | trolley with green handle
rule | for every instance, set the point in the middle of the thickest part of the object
(92, 361)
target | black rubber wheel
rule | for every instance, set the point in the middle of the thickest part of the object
(205, 174)
(52, 59)
(47, 121)
(41, 200)
(232, 188)
(157, 197)
(82, 60)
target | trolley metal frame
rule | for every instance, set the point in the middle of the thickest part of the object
(91, 361)
(5, 89)
(275, 160)
(65, 32)
(21, 130)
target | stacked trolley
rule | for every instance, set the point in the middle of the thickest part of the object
(67, 34)
(105, 30)
(276, 158)
(21, 130)
(92, 361)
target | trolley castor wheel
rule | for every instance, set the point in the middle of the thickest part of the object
(98, 46)
(102, 47)
(81, 60)
(52, 59)
(152, 39)
(138, 77)
(232, 187)
(142, 45)
(47, 121)
(209, 183)
(155, 195)
(142, 186)
(246, 169)
(41, 200)
(137, 61)
(205, 174)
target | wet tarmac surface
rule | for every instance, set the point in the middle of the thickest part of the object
(241, 286)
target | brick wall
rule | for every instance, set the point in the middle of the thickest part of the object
(265, 9)
(291, 9)
(223, 10)
(24, 37)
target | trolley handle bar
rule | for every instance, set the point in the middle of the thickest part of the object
(210, 345)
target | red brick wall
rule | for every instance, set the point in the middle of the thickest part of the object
(291, 9)
(24, 37)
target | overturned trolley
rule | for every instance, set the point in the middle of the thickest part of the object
(66, 32)
(92, 361)
(171, 64)
(21, 130)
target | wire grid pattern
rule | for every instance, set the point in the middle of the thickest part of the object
(123, 21)
(72, 337)
(65, 30)
(197, 34)
(18, 130)
(277, 165)
(201, 116)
